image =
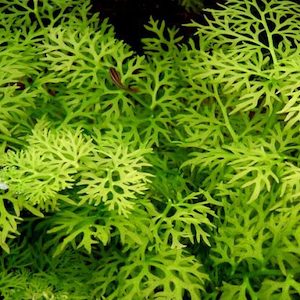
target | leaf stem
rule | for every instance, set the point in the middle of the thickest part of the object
(273, 118)
(36, 12)
(225, 115)
(13, 140)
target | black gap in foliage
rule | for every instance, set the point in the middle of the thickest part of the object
(130, 16)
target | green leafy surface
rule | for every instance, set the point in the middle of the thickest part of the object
(179, 182)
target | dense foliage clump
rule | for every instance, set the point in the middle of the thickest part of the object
(179, 182)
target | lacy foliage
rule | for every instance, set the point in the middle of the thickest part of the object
(185, 185)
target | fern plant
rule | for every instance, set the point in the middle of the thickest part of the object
(185, 187)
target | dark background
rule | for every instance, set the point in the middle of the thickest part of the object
(130, 16)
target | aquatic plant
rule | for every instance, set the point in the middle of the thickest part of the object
(169, 175)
